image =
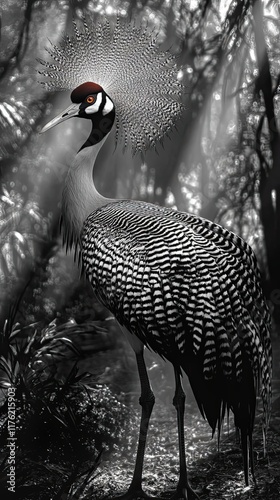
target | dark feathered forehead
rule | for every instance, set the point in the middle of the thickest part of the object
(81, 92)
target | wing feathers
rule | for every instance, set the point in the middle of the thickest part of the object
(189, 290)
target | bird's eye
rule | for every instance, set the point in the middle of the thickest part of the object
(90, 99)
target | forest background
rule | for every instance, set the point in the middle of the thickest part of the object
(222, 162)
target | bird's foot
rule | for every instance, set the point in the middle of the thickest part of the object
(184, 493)
(135, 494)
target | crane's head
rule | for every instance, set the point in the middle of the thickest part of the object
(126, 60)
(90, 101)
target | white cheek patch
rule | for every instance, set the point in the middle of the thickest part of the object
(108, 106)
(95, 107)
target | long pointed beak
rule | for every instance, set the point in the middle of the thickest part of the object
(69, 112)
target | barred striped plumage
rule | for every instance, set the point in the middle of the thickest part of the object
(190, 290)
(179, 284)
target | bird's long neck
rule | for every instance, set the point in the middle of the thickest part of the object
(80, 196)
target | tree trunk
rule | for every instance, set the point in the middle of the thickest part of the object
(270, 172)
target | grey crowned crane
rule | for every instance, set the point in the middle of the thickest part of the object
(181, 285)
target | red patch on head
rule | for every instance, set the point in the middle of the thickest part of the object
(81, 92)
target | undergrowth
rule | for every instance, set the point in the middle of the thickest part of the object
(65, 419)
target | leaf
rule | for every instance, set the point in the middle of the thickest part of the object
(19, 237)
(5, 384)
(6, 366)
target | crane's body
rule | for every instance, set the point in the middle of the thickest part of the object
(179, 284)
(190, 291)
(167, 276)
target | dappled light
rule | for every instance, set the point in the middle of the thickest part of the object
(215, 154)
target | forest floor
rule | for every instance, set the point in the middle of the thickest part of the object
(214, 474)
(52, 470)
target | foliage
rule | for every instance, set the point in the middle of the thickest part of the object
(222, 163)
(58, 293)
(217, 164)
(63, 417)
(22, 229)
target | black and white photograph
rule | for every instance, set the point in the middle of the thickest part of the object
(140, 250)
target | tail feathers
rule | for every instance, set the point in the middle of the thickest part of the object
(218, 395)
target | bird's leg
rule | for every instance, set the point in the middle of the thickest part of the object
(184, 490)
(147, 400)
